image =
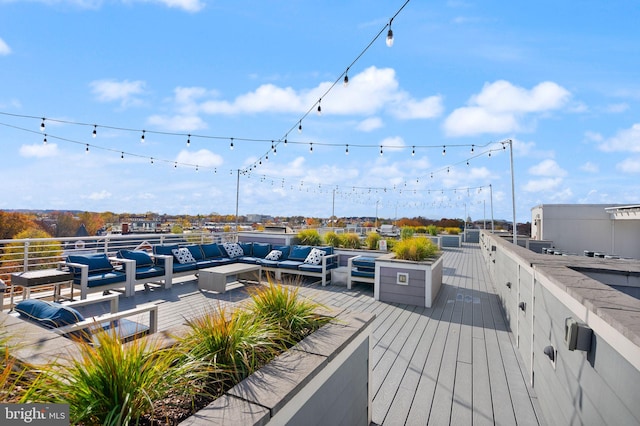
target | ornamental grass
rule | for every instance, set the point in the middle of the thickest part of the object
(117, 384)
(416, 249)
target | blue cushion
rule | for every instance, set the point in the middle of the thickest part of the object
(142, 258)
(96, 262)
(299, 253)
(365, 274)
(289, 264)
(180, 267)
(97, 280)
(196, 252)
(149, 272)
(211, 250)
(48, 314)
(261, 249)
(269, 263)
(166, 250)
(365, 263)
(285, 251)
(247, 248)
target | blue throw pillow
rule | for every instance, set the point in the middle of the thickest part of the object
(211, 251)
(247, 248)
(141, 257)
(285, 251)
(261, 250)
(299, 253)
(196, 252)
(96, 262)
(48, 314)
(165, 250)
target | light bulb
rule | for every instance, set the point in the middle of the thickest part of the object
(472, 148)
(346, 80)
(347, 150)
(42, 128)
(45, 139)
(231, 145)
(300, 127)
(87, 149)
(122, 155)
(390, 37)
(142, 137)
(95, 131)
(444, 150)
(413, 151)
(311, 147)
(319, 107)
(188, 140)
(381, 150)
(151, 160)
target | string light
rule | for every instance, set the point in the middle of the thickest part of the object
(87, 149)
(188, 140)
(122, 155)
(142, 137)
(413, 151)
(380, 150)
(319, 107)
(44, 141)
(231, 145)
(347, 150)
(390, 35)
(285, 140)
(311, 147)
(472, 148)
(95, 131)
(345, 82)
(42, 128)
(151, 160)
(196, 167)
(444, 150)
(272, 146)
(300, 126)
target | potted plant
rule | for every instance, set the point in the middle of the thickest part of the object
(411, 274)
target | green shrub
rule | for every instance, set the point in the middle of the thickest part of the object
(419, 248)
(421, 229)
(391, 243)
(352, 240)
(406, 232)
(432, 230)
(309, 237)
(372, 240)
(452, 230)
(333, 239)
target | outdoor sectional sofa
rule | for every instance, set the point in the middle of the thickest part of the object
(294, 260)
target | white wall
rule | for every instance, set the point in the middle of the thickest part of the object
(578, 227)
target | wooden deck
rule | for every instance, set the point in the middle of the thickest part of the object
(454, 363)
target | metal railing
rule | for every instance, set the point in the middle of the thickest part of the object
(45, 253)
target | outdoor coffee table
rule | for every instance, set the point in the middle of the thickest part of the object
(217, 277)
(40, 278)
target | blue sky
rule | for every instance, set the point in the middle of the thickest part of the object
(558, 79)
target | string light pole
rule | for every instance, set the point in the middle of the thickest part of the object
(513, 193)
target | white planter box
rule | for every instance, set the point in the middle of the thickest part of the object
(408, 282)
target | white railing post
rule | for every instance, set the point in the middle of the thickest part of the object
(26, 256)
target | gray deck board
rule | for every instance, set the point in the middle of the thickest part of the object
(454, 363)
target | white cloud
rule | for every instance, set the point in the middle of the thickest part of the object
(590, 167)
(123, 91)
(500, 107)
(547, 168)
(372, 91)
(186, 5)
(626, 140)
(593, 136)
(540, 185)
(177, 123)
(630, 165)
(39, 150)
(4, 48)
(617, 108)
(102, 195)
(395, 143)
(202, 158)
(370, 124)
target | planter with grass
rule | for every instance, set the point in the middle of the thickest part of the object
(412, 274)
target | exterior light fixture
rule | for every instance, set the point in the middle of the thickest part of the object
(87, 149)
(300, 127)
(390, 35)
(319, 107)
(95, 131)
(42, 128)
(381, 150)
(142, 137)
(444, 150)
(413, 151)
(311, 147)
(345, 82)
(231, 145)
(151, 160)
(44, 141)
(472, 146)
(346, 151)
(122, 155)
(188, 140)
